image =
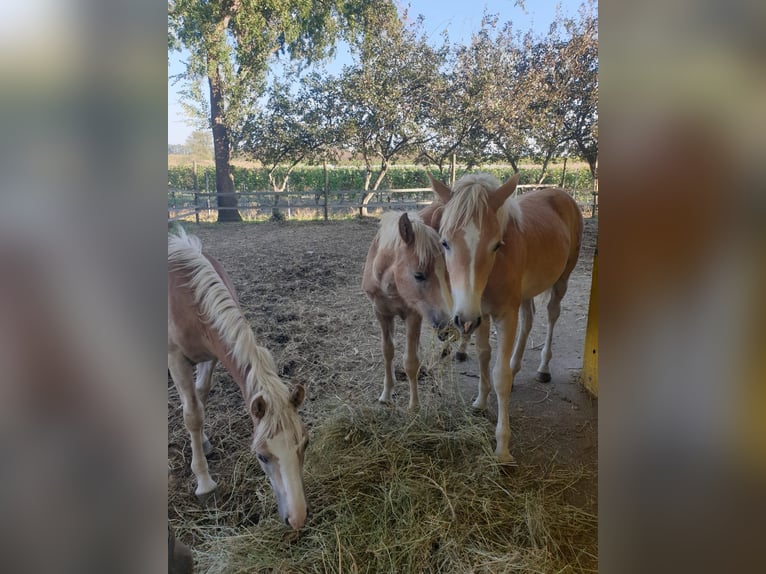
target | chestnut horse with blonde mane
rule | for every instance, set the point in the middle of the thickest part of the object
(500, 253)
(206, 325)
(404, 276)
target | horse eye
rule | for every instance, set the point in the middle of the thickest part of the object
(262, 458)
(419, 276)
(445, 244)
(499, 244)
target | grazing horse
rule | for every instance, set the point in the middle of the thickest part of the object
(500, 252)
(206, 325)
(404, 276)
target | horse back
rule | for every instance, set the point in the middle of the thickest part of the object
(188, 331)
(551, 233)
(554, 212)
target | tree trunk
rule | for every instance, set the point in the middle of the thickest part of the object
(544, 170)
(224, 178)
(370, 193)
(366, 196)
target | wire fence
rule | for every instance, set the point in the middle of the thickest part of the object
(185, 205)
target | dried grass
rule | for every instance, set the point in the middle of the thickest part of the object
(396, 492)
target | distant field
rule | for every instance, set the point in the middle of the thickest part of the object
(175, 160)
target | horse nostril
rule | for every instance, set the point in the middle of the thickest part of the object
(287, 521)
(478, 321)
(457, 320)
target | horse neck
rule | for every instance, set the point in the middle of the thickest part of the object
(222, 352)
(259, 366)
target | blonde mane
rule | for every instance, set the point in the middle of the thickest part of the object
(427, 243)
(222, 312)
(469, 200)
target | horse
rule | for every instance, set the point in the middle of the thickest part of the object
(500, 252)
(404, 276)
(206, 325)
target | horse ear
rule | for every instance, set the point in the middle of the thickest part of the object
(258, 406)
(497, 198)
(443, 192)
(297, 396)
(405, 229)
(436, 217)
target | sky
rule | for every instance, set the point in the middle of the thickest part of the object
(459, 17)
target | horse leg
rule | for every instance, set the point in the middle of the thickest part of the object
(484, 353)
(502, 378)
(411, 359)
(558, 291)
(203, 383)
(387, 336)
(460, 354)
(181, 371)
(527, 312)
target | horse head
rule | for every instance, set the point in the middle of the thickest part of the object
(279, 445)
(420, 273)
(471, 227)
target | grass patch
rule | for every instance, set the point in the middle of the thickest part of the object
(396, 492)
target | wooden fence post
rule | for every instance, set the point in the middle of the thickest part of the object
(196, 192)
(326, 188)
(563, 172)
(595, 196)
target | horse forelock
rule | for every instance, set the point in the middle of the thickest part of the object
(280, 415)
(470, 200)
(427, 246)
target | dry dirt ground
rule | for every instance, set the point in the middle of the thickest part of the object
(299, 285)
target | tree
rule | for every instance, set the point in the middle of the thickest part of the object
(199, 145)
(565, 84)
(231, 44)
(498, 70)
(387, 95)
(457, 116)
(581, 117)
(296, 125)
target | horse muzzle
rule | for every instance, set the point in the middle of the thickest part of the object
(441, 324)
(466, 327)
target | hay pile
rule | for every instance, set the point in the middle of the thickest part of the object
(395, 492)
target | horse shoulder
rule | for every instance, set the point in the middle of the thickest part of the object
(187, 333)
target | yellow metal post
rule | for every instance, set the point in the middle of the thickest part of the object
(590, 353)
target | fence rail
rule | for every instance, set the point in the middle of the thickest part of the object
(184, 204)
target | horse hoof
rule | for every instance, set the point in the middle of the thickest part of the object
(461, 356)
(543, 377)
(507, 460)
(478, 407)
(207, 498)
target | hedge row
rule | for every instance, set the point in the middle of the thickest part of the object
(311, 178)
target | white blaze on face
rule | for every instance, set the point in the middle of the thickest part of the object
(288, 479)
(466, 301)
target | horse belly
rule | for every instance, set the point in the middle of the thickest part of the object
(532, 284)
